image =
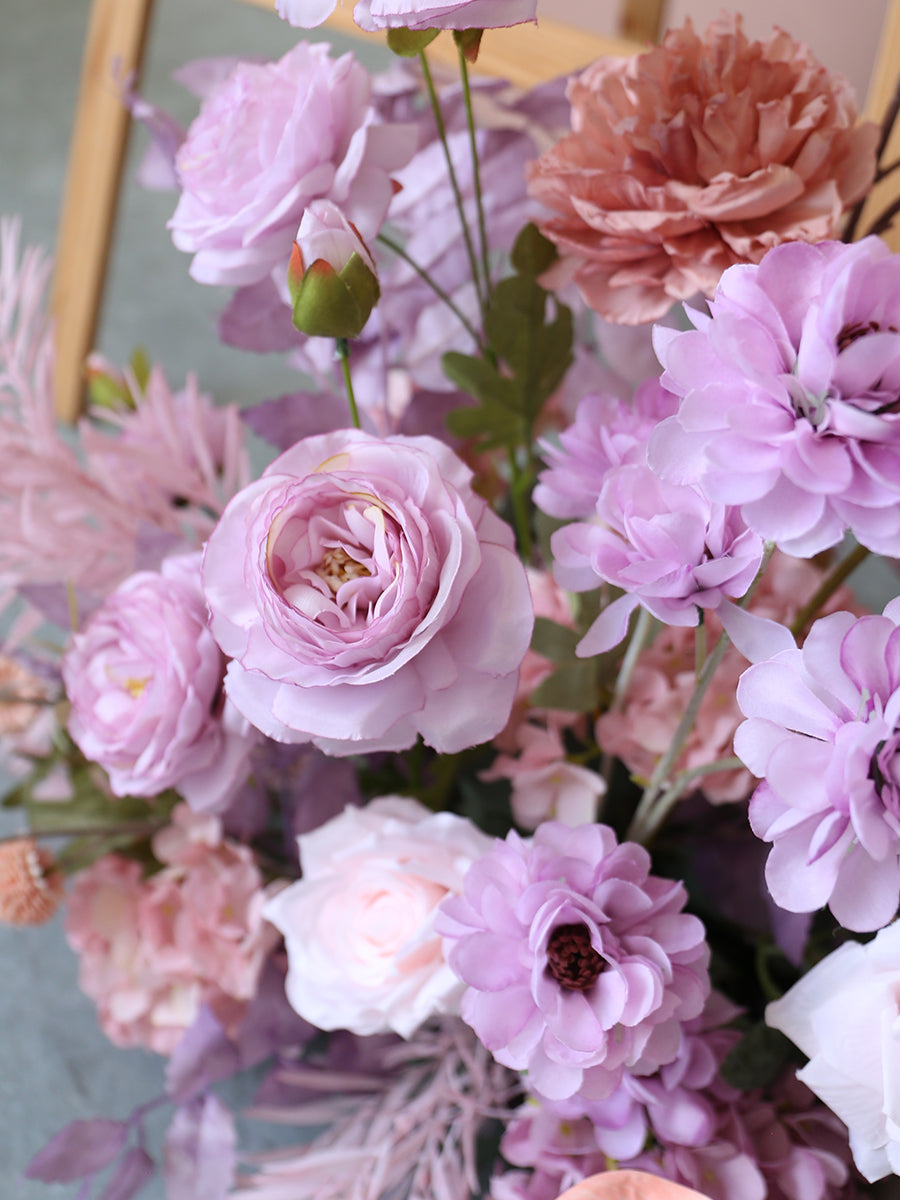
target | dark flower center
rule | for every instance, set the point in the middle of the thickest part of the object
(858, 329)
(571, 959)
(884, 772)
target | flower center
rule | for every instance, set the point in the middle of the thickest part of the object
(571, 959)
(856, 330)
(884, 771)
(337, 568)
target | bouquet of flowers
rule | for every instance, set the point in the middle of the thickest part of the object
(506, 776)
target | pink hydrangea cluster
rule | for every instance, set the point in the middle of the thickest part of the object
(789, 396)
(822, 733)
(269, 139)
(154, 949)
(578, 963)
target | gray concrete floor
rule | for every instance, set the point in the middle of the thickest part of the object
(55, 1064)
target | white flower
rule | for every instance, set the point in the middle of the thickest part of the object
(359, 925)
(845, 1016)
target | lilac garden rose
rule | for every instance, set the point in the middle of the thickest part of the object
(144, 680)
(790, 396)
(579, 963)
(367, 595)
(414, 14)
(268, 140)
(823, 731)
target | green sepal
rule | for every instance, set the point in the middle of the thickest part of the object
(469, 41)
(409, 43)
(337, 304)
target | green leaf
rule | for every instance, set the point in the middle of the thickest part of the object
(537, 352)
(555, 642)
(758, 1059)
(492, 423)
(532, 253)
(479, 378)
(573, 687)
(409, 43)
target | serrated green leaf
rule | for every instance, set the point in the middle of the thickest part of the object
(479, 378)
(537, 352)
(555, 642)
(532, 253)
(408, 43)
(758, 1059)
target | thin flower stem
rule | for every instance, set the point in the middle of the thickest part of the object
(136, 827)
(673, 794)
(397, 249)
(343, 353)
(828, 587)
(451, 172)
(521, 516)
(476, 172)
(644, 818)
(639, 638)
(699, 647)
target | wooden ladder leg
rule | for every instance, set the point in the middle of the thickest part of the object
(116, 36)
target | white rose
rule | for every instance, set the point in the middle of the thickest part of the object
(844, 1015)
(359, 925)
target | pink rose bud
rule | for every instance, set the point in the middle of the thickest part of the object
(331, 276)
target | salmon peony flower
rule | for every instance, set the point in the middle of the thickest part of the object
(31, 888)
(698, 154)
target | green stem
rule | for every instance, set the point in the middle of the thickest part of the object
(135, 827)
(673, 794)
(699, 647)
(521, 516)
(343, 352)
(639, 638)
(451, 172)
(436, 288)
(828, 587)
(476, 173)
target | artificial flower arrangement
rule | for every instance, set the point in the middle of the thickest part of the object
(507, 775)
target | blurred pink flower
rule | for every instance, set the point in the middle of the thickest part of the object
(545, 787)
(267, 141)
(695, 155)
(359, 925)
(152, 950)
(144, 681)
(823, 732)
(377, 598)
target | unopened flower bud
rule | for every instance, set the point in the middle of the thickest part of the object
(331, 276)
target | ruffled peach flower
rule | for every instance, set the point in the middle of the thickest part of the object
(698, 154)
(31, 889)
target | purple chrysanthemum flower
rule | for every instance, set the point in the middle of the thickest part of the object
(666, 545)
(607, 431)
(578, 962)
(791, 396)
(823, 730)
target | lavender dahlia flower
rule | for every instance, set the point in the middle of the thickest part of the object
(579, 963)
(790, 396)
(823, 729)
(368, 595)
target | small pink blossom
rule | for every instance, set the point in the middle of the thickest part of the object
(545, 786)
(152, 950)
(362, 951)
(378, 598)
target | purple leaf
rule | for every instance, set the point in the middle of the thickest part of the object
(203, 1056)
(256, 318)
(286, 419)
(134, 1172)
(198, 1161)
(80, 1148)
